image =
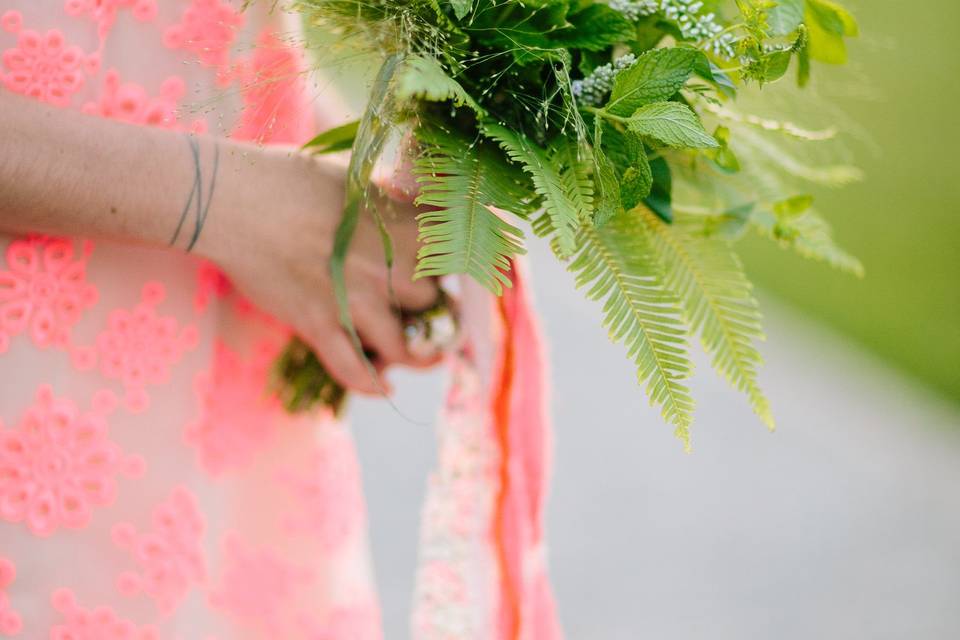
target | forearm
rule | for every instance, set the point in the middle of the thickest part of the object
(65, 173)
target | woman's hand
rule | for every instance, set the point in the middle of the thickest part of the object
(273, 235)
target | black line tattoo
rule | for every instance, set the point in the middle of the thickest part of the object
(196, 200)
(195, 151)
(202, 216)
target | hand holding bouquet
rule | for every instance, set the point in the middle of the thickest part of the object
(608, 129)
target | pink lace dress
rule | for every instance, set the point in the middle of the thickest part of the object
(149, 487)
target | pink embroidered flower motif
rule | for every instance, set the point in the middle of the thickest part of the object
(276, 107)
(58, 463)
(170, 556)
(42, 66)
(359, 622)
(10, 621)
(129, 102)
(237, 415)
(104, 12)
(139, 347)
(101, 623)
(208, 29)
(211, 283)
(43, 291)
(257, 587)
(329, 503)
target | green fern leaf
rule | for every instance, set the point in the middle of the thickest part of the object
(425, 79)
(566, 206)
(568, 158)
(459, 181)
(808, 235)
(811, 237)
(616, 263)
(707, 277)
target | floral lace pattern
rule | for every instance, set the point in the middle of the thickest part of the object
(42, 65)
(170, 556)
(43, 291)
(139, 449)
(139, 346)
(58, 464)
(207, 29)
(101, 623)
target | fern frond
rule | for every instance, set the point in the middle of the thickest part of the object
(812, 238)
(616, 263)
(565, 208)
(717, 299)
(808, 235)
(460, 180)
(568, 158)
(425, 79)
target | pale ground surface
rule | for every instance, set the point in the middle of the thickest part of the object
(844, 525)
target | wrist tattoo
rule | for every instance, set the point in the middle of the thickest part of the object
(196, 202)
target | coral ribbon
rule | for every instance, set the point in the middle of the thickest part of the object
(522, 433)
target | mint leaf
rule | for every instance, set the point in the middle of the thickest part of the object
(607, 189)
(656, 75)
(596, 28)
(637, 179)
(671, 123)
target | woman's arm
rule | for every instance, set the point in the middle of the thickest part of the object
(65, 173)
(265, 215)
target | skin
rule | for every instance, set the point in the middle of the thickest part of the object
(270, 216)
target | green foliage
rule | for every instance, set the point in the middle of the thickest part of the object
(596, 28)
(706, 275)
(587, 119)
(460, 180)
(828, 24)
(810, 236)
(656, 76)
(615, 265)
(671, 123)
(784, 18)
(566, 198)
(629, 155)
(371, 136)
(461, 8)
(425, 79)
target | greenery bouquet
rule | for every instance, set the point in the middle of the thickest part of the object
(609, 129)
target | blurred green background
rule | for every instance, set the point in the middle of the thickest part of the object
(903, 220)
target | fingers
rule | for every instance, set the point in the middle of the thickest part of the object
(382, 331)
(417, 295)
(335, 350)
